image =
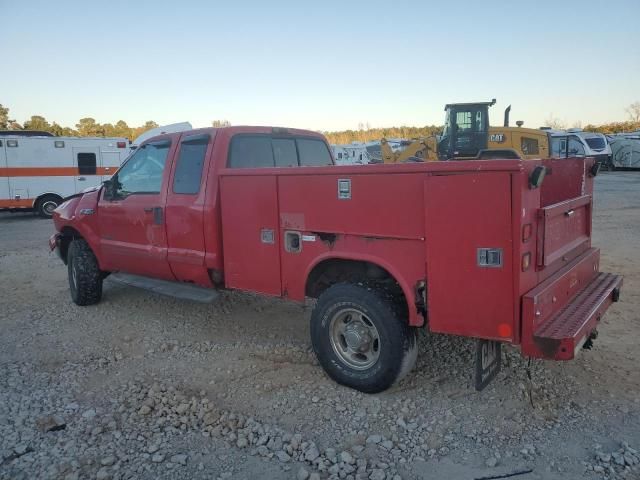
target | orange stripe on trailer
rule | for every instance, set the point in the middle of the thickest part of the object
(51, 171)
(22, 203)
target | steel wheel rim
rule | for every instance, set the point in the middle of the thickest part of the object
(354, 339)
(49, 207)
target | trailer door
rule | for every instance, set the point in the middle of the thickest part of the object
(4, 177)
(86, 160)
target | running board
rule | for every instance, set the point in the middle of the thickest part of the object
(183, 291)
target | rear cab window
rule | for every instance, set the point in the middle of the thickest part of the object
(264, 151)
(188, 176)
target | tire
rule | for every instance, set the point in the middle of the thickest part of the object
(47, 204)
(341, 328)
(85, 278)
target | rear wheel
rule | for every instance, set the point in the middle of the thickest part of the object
(47, 204)
(361, 339)
(85, 278)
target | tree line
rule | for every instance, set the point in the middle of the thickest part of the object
(89, 127)
(86, 127)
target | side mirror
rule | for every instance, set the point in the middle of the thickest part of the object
(109, 189)
(537, 177)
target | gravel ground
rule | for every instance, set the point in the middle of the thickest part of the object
(145, 386)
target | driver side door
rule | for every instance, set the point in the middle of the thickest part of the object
(131, 212)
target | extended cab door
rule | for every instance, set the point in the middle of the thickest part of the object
(132, 213)
(184, 212)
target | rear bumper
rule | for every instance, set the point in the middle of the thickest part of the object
(564, 311)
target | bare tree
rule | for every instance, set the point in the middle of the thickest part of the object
(555, 123)
(634, 111)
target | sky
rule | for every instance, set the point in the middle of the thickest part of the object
(321, 65)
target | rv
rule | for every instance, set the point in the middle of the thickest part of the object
(39, 171)
(576, 143)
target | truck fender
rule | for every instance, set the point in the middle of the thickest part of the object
(415, 320)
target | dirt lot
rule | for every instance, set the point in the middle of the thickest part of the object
(144, 386)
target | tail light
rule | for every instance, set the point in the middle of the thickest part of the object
(526, 232)
(526, 261)
(122, 144)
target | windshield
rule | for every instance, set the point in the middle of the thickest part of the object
(596, 143)
(142, 172)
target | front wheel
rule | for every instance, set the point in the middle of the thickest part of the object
(85, 277)
(361, 339)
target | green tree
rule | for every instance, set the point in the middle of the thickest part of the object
(37, 122)
(60, 131)
(5, 121)
(121, 129)
(148, 125)
(87, 127)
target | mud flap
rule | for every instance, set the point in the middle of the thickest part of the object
(488, 362)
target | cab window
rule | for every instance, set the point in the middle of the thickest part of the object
(284, 152)
(251, 151)
(313, 153)
(142, 173)
(188, 174)
(260, 151)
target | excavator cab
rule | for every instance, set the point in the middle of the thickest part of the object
(466, 130)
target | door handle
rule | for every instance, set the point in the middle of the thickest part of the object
(81, 179)
(157, 214)
(569, 213)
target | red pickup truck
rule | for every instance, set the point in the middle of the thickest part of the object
(497, 250)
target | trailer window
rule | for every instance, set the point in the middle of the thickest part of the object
(87, 164)
(188, 174)
(284, 152)
(248, 151)
(529, 146)
(596, 143)
(313, 153)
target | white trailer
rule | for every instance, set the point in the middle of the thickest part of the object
(37, 172)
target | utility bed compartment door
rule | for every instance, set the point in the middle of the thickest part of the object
(564, 227)
(469, 255)
(250, 240)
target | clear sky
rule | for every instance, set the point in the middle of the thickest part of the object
(322, 65)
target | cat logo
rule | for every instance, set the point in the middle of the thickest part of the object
(497, 137)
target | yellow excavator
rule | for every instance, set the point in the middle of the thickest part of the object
(467, 135)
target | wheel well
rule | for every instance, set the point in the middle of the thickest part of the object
(336, 270)
(68, 235)
(45, 195)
